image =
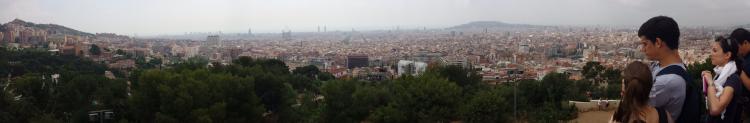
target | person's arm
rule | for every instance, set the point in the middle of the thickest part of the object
(659, 96)
(669, 118)
(745, 80)
(717, 104)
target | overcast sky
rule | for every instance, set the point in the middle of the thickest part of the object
(154, 17)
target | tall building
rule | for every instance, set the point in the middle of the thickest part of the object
(9, 37)
(235, 52)
(411, 67)
(56, 41)
(462, 62)
(250, 31)
(32, 37)
(214, 40)
(25, 36)
(424, 56)
(523, 48)
(72, 46)
(321, 63)
(286, 35)
(355, 61)
(191, 51)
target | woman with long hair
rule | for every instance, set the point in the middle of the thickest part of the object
(634, 108)
(722, 89)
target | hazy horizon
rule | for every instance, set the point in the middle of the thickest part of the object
(173, 17)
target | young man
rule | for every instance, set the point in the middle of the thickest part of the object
(742, 37)
(659, 38)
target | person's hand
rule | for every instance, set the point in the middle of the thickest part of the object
(707, 75)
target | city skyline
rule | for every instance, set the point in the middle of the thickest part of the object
(351, 60)
(150, 18)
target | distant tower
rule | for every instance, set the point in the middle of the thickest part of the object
(286, 35)
(325, 29)
(523, 48)
(318, 28)
(250, 31)
(214, 39)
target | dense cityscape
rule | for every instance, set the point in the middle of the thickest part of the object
(578, 63)
(492, 47)
(374, 61)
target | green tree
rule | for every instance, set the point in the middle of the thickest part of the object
(310, 108)
(546, 100)
(339, 101)
(352, 101)
(301, 83)
(120, 52)
(45, 118)
(33, 94)
(426, 98)
(309, 71)
(592, 70)
(557, 87)
(389, 114)
(195, 96)
(20, 62)
(144, 64)
(466, 78)
(488, 106)
(69, 98)
(603, 80)
(325, 76)
(695, 70)
(95, 50)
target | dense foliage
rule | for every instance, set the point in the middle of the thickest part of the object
(265, 90)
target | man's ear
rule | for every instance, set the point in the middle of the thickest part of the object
(658, 43)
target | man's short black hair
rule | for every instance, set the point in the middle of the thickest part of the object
(662, 27)
(740, 35)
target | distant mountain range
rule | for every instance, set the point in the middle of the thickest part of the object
(53, 28)
(491, 24)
